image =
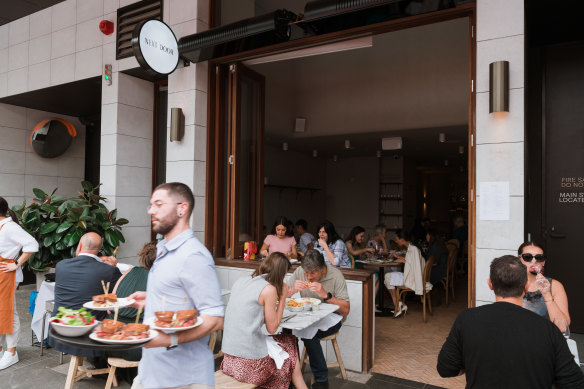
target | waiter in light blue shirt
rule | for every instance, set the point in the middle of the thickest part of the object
(183, 269)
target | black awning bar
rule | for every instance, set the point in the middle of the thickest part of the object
(321, 9)
(259, 31)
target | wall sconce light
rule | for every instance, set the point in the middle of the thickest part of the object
(378, 153)
(442, 137)
(461, 149)
(285, 146)
(445, 162)
(177, 124)
(347, 144)
(335, 158)
(314, 153)
(499, 86)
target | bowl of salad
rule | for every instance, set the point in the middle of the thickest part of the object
(73, 322)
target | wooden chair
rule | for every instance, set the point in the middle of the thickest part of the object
(212, 342)
(448, 281)
(339, 362)
(353, 263)
(426, 300)
(114, 364)
(224, 381)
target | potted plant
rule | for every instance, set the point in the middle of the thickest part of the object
(58, 223)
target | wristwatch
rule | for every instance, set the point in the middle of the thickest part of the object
(329, 296)
(173, 342)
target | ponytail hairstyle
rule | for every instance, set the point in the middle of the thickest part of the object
(6, 211)
(275, 267)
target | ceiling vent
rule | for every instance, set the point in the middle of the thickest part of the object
(128, 18)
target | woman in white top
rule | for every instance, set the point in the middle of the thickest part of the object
(13, 239)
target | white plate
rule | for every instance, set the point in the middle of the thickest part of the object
(121, 303)
(151, 335)
(150, 322)
(293, 261)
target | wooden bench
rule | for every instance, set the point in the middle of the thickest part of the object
(223, 381)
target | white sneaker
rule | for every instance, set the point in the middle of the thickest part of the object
(8, 360)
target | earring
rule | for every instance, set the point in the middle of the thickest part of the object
(180, 214)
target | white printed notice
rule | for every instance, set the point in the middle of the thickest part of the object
(494, 200)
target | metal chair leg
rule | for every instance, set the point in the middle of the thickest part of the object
(42, 339)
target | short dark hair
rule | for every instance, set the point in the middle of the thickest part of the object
(280, 221)
(529, 244)
(508, 276)
(180, 190)
(330, 231)
(313, 260)
(402, 234)
(6, 211)
(302, 223)
(147, 255)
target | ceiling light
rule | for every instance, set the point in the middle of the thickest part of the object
(347, 144)
(394, 143)
(442, 137)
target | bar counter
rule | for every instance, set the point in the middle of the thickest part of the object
(357, 333)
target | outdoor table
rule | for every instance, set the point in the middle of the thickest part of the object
(46, 293)
(77, 362)
(381, 264)
(303, 319)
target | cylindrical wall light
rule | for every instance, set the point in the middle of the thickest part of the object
(314, 153)
(335, 158)
(442, 137)
(378, 153)
(461, 149)
(445, 162)
(285, 146)
(347, 144)
(499, 86)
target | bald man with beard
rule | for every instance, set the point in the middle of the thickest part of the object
(78, 279)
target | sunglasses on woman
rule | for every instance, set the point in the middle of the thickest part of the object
(529, 257)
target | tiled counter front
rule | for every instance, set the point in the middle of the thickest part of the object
(351, 340)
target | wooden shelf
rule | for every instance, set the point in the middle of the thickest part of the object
(298, 189)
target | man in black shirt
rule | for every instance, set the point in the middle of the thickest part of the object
(503, 345)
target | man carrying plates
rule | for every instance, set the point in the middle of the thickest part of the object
(183, 268)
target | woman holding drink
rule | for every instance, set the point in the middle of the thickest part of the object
(545, 296)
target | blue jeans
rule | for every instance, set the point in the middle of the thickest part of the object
(315, 354)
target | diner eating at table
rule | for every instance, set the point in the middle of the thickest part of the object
(16, 247)
(257, 301)
(437, 248)
(317, 279)
(378, 241)
(279, 240)
(305, 239)
(356, 244)
(331, 246)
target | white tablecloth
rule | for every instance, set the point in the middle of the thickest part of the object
(46, 293)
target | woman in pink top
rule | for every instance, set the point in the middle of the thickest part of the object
(279, 241)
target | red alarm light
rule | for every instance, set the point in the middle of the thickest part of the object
(106, 27)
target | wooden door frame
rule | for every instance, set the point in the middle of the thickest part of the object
(467, 10)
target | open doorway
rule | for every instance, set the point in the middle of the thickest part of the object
(319, 135)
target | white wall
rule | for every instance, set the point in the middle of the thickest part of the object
(21, 169)
(500, 138)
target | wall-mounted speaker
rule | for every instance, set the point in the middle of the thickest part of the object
(299, 125)
(177, 124)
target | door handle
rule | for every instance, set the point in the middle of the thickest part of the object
(555, 235)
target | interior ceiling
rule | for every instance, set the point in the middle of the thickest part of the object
(79, 98)
(16, 9)
(411, 83)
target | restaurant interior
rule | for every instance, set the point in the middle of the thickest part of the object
(368, 131)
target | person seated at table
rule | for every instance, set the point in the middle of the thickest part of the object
(418, 231)
(133, 280)
(317, 279)
(411, 277)
(305, 239)
(255, 301)
(78, 279)
(437, 248)
(379, 240)
(545, 296)
(278, 241)
(356, 244)
(331, 246)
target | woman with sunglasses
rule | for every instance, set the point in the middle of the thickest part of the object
(545, 296)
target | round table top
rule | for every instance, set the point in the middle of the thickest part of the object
(85, 342)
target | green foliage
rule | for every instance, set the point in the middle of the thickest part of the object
(58, 223)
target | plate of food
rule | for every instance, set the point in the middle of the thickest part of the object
(107, 302)
(171, 321)
(302, 304)
(73, 322)
(116, 332)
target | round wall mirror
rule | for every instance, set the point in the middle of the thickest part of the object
(52, 137)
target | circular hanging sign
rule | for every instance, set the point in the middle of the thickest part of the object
(155, 46)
